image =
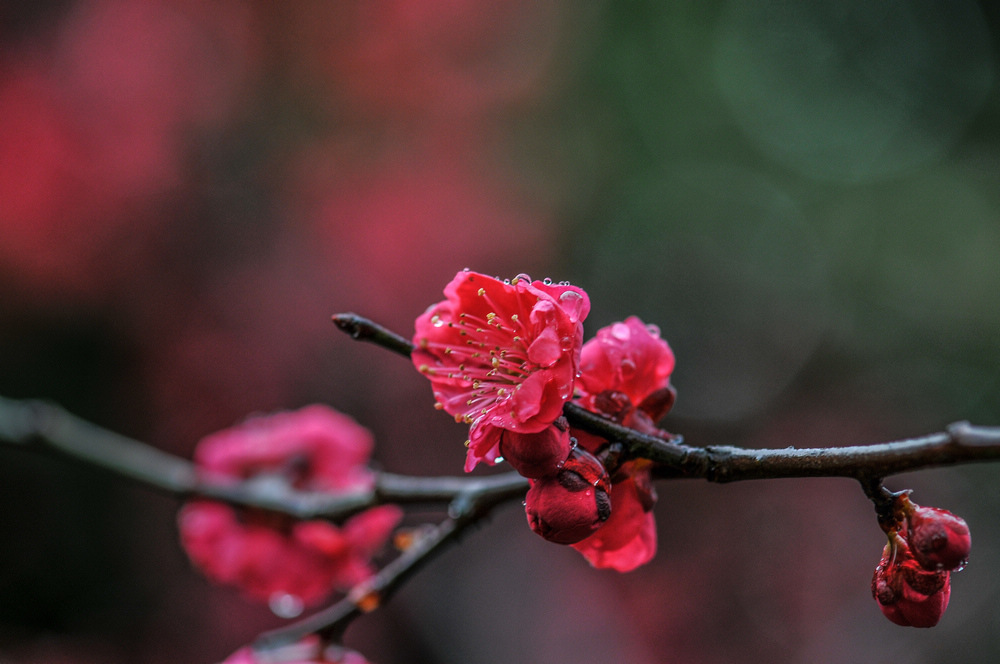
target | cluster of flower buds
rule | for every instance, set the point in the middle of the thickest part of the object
(504, 357)
(912, 583)
(571, 500)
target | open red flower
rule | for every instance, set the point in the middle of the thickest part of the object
(628, 538)
(275, 558)
(625, 375)
(501, 355)
(628, 358)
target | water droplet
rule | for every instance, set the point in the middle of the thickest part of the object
(547, 281)
(285, 605)
(465, 269)
(507, 281)
(621, 332)
(522, 277)
(564, 283)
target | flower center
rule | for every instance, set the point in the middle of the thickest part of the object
(489, 358)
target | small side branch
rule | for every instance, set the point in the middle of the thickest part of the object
(44, 426)
(469, 506)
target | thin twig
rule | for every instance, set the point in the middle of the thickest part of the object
(467, 508)
(41, 425)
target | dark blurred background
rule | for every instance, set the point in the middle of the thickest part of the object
(804, 196)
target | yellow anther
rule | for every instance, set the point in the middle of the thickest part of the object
(482, 291)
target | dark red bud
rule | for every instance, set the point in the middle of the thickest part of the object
(571, 504)
(907, 594)
(613, 404)
(536, 455)
(939, 539)
(658, 403)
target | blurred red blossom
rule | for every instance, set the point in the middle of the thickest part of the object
(270, 557)
(501, 354)
(96, 121)
(445, 58)
(307, 651)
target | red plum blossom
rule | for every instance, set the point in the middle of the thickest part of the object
(269, 556)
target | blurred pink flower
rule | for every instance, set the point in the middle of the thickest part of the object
(269, 556)
(95, 125)
(501, 355)
(308, 651)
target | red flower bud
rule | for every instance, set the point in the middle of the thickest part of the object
(939, 539)
(536, 455)
(907, 594)
(571, 504)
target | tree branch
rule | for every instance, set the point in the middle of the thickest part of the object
(960, 443)
(40, 425)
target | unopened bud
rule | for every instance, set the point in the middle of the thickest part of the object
(536, 455)
(939, 539)
(907, 594)
(571, 504)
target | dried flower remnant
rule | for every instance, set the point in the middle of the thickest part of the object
(273, 558)
(501, 355)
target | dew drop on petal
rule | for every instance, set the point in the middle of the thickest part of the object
(547, 281)
(522, 277)
(620, 331)
(285, 605)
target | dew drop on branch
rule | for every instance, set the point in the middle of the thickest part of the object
(285, 605)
